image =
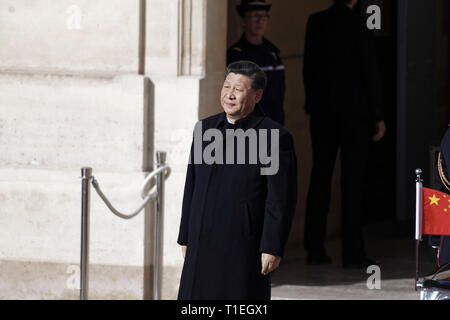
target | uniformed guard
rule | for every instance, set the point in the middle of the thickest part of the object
(343, 98)
(253, 46)
(443, 184)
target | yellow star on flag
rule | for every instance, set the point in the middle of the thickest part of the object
(434, 200)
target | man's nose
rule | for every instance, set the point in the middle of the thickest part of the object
(230, 94)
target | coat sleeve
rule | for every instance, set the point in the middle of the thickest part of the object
(280, 201)
(183, 234)
(445, 158)
(372, 76)
(310, 65)
(435, 240)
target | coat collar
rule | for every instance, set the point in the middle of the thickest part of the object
(250, 121)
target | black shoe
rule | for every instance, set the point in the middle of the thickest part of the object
(318, 259)
(360, 263)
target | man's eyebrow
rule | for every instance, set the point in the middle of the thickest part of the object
(237, 85)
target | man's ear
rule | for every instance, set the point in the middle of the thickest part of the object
(258, 95)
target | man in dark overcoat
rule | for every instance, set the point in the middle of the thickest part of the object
(343, 99)
(236, 216)
(443, 184)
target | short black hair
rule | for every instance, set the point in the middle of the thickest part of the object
(251, 70)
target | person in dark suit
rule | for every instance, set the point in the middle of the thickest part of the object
(343, 99)
(236, 220)
(443, 184)
(253, 46)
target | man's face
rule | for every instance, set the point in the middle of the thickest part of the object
(238, 98)
(255, 22)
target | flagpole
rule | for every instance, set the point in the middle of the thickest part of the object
(419, 207)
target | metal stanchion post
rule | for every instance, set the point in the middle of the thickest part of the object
(160, 174)
(418, 233)
(159, 219)
(86, 175)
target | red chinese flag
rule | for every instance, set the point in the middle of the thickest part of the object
(436, 212)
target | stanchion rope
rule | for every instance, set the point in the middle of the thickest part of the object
(146, 196)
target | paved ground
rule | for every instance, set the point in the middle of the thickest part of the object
(396, 252)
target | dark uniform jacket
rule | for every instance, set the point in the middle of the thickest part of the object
(230, 215)
(267, 57)
(443, 242)
(340, 69)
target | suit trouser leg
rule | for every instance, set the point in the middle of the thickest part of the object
(354, 157)
(325, 145)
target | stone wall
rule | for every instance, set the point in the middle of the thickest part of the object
(102, 84)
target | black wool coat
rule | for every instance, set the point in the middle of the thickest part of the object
(231, 214)
(443, 242)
